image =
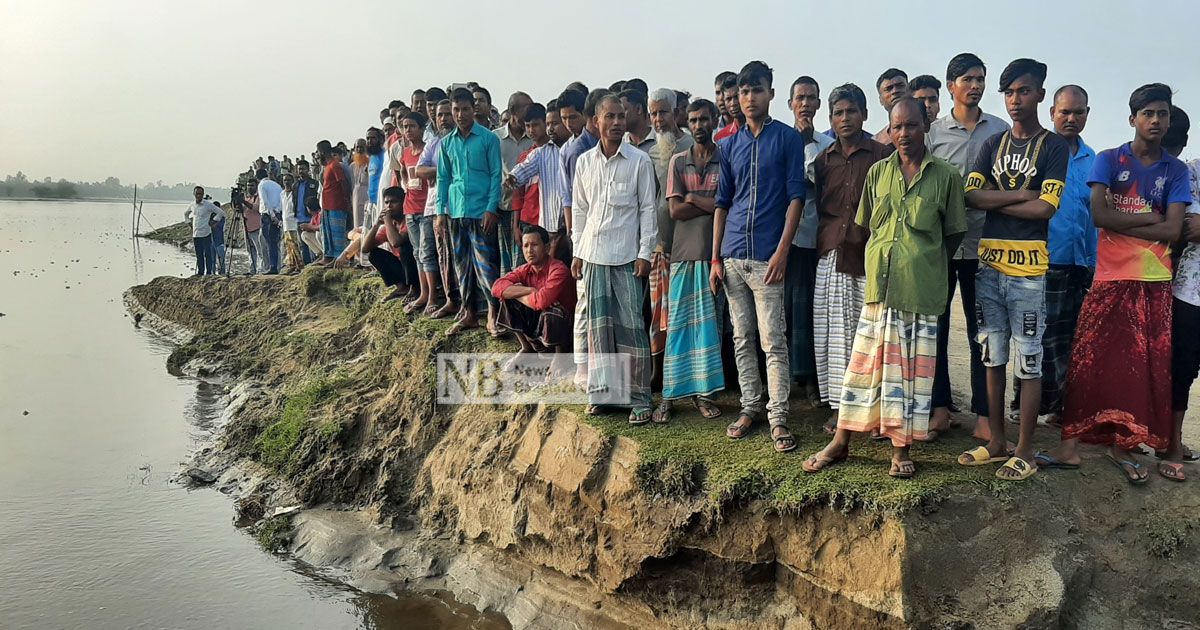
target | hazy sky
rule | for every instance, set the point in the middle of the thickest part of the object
(192, 91)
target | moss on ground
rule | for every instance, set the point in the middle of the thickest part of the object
(274, 535)
(692, 454)
(277, 443)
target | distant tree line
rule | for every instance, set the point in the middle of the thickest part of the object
(19, 186)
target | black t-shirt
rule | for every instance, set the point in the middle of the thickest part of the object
(1011, 245)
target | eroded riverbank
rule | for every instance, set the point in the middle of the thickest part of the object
(553, 518)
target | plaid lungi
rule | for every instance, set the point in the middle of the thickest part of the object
(837, 305)
(692, 363)
(889, 381)
(616, 332)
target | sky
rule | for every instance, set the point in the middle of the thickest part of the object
(194, 91)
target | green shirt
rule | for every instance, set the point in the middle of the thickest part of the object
(906, 256)
(468, 175)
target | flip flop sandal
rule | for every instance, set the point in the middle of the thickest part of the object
(1046, 460)
(931, 436)
(707, 408)
(638, 417)
(662, 415)
(979, 456)
(1130, 475)
(738, 429)
(1176, 469)
(815, 463)
(779, 440)
(898, 472)
(1024, 469)
(431, 311)
(1188, 455)
(830, 427)
(594, 410)
(879, 437)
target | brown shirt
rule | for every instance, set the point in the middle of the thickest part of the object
(840, 180)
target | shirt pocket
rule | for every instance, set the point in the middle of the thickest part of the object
(622, 195)
(922, 215)
(477, 161)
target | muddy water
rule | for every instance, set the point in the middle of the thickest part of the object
(93, 532)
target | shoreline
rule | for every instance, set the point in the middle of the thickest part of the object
(554, 520)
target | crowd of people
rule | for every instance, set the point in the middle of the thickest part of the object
(688, 238)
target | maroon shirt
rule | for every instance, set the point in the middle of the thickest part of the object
(840, 179)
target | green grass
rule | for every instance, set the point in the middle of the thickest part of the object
(277, 443)
(692, 455)
(275, 534)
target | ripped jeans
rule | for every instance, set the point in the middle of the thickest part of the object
(1011, 308)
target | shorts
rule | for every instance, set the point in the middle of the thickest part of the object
(1010, 308)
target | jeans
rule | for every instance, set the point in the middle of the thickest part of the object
(420, 234)
(271, 234)
(1011, 309)
(204, 255)
(254, 247)
(757, 310)
(218, 252)
(962, 273)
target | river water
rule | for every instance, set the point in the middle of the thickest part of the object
(93, 531)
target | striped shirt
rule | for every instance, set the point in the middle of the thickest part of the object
(545, 164)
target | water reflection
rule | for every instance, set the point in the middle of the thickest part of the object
(93, 430)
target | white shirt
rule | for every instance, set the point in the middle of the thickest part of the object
(200, 214)
(1187, 273)
(270, 198)
(613, 219)
(289, 217)
(806, 229)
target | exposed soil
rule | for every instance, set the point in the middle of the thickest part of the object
(559, 520)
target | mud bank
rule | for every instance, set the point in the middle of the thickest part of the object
(555, 519)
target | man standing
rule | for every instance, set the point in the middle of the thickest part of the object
(760, 197)
(468, 180)
(513, 142)
(913, 205)
(202, 214)
(376, 164)
(804, 99)
(957, 138)
(719, 95)
(420, 226)
(293, 262)
(537, 300)
(544, 165)
(613, 231)
(1018, 179)
(335, 203)
(1120, 375)
(666, 141)
(733, 111)
(270, 200)
(640, 134)
(927, 89)
(418, 101)
(427, 170)
(692, 358)
(840, 172)
(892, 86)
(485, 114)
(1072, 243)
(579, 114)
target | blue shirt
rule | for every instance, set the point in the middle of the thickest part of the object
(1072, 236)
(302, 215)
(469, 172)
(374, 171)
(759, 178)
(218, 229)
(570, 153)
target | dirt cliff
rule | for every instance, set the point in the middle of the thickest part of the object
(555, 519)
